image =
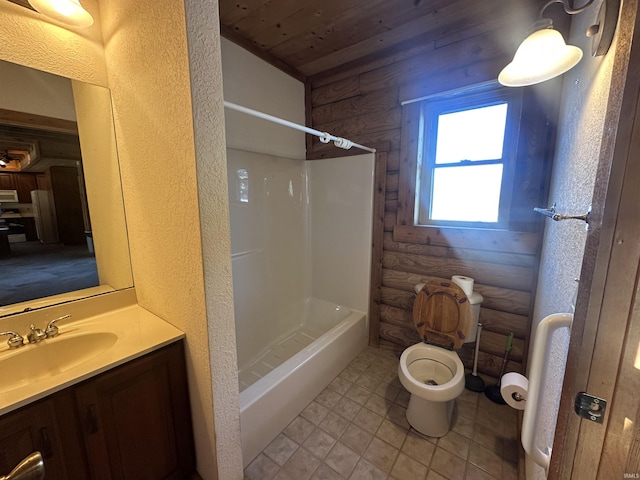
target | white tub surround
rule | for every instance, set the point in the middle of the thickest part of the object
(132, 331)
(340, 215)
(301, 254)
(299, 230)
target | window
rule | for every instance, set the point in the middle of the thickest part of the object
(466, 153)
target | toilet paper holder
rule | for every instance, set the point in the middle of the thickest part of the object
(517, 397)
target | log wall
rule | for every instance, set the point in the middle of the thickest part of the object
(362, 102)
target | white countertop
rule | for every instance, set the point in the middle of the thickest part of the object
(138, 332)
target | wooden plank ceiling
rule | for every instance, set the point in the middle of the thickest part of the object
(308, 37)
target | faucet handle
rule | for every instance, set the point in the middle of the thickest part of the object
(15, 339)
(52, 330)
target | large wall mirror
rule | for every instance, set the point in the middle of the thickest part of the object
(62, 225)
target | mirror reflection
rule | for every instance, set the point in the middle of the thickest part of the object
(62, 225)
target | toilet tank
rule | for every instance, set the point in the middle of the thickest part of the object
(475, 299)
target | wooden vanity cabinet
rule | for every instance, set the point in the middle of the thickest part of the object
(33, 428)
(130, 422)
(136, 420)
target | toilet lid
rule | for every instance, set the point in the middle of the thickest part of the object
(442, 314)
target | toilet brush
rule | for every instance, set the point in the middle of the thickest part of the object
(471, 380)
(493, 391)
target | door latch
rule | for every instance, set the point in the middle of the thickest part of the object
(590, 407)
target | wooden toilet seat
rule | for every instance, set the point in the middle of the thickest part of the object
(442, 314)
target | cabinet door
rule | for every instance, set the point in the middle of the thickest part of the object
(25, 182)
(6, 181)
(30, 429)
(136, 419)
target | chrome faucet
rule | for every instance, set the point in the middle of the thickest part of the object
(52, 330)
(35, 335)
(15, 340)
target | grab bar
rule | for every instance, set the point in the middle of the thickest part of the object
(537, 381)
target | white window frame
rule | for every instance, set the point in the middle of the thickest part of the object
(474, 98)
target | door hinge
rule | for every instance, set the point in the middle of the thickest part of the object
(590, 407)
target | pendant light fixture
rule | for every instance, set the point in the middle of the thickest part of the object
(544, 54)
(68, 12)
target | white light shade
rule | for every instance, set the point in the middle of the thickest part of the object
(541, 56)
(69, 12)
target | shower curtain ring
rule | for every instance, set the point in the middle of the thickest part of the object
(325, 138)
(343, 143)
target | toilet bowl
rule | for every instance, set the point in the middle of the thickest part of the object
(431, 371)
(435, 378)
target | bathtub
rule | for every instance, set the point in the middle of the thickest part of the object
(272, 402)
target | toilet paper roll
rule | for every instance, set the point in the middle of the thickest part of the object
(513, 388)
(465, 283)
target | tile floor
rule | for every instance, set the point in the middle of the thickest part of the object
(356, 429)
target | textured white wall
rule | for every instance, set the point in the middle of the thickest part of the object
(246, 79)
(209, 126)
(28, 38)
(579, 139)
(148, 64)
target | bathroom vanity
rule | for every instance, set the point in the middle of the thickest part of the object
(122, 413)
(130, 422)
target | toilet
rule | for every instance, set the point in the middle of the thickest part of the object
(445, 317)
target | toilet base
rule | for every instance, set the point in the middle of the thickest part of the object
(430, 418)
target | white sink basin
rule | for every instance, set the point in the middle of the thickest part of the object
(87, 346)
(50, 357)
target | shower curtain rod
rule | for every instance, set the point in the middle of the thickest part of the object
(324, 136)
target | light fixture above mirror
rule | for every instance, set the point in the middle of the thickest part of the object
(544, 54)
(66, 12)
